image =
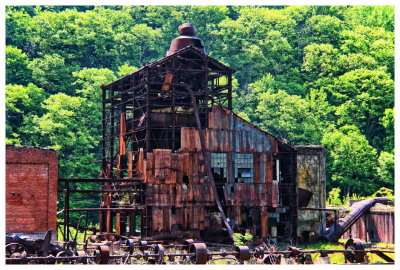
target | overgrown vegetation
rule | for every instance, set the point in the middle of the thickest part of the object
(242, 239)
(306, 74)
(80, 237)
(338, 258)
(334, 196)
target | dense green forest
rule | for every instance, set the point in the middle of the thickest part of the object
(306, 74)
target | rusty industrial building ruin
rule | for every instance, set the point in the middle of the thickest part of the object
(169, 128)
(175, 154)
(179, 164)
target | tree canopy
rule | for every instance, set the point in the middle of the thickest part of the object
(306, 74)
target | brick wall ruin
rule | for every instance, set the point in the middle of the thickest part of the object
(31, 189)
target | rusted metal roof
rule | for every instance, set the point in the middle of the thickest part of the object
(251, 126)
(188, 51)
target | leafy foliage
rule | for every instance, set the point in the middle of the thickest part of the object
(52, 74)
(386, 168)
(306, 74)
(22, 105)
(241, 239)
(17, 66)
(335, 194)
(352, 160)
(387, 121)
(334, 197)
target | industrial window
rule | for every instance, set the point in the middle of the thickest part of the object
(219, 164)
(243, 168)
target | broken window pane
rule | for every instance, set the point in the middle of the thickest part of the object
(219, 164)
(243, 168)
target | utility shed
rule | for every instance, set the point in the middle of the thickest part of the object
(31, 190)
(311, 190)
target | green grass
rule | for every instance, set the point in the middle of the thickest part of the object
(80, 237)
(335, 258)
(338, 258)
(384, 245)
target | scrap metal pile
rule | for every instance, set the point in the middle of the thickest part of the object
(106, 249)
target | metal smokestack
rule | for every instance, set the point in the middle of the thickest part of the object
(186, 38)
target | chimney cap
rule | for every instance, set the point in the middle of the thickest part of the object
(187, 29)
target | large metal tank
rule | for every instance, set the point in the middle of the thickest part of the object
(186, 38)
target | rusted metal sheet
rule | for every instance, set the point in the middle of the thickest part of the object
(167, 81)
(256, 166)
(246, 194)
(185, 173)
(157, 219)
(264, 222)
(166, 167)
(375, 226)
(274, 194)
(244, 137)
(190, 140)
(179, 195)
(162, 166)
(186, 218)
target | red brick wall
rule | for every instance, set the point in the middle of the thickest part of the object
(31, 189)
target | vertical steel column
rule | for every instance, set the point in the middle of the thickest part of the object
(111, 132)
(206, 83)
(230, 91)
(66, 215)
(295, 203)
(122, 109)
(147, 112)
(173, 118)
(173, 110)
(103, 131)
(132, 78)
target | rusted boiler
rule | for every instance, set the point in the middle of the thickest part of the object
(150, 134)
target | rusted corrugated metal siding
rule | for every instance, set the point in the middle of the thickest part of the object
(179, 195)
(178, 180)
(375, 226)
